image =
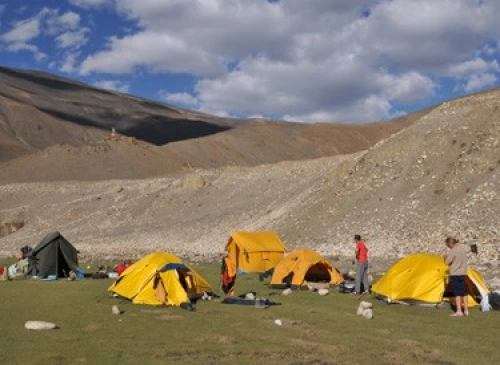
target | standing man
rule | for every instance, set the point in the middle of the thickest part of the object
(457, 262)
(361, 266)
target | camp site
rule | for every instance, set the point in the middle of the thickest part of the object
(160, 309)
(250, 182)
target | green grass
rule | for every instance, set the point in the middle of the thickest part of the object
(315, 330)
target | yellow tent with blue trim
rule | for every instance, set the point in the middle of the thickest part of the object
(255, 251)
(160, 278)
(423, 278)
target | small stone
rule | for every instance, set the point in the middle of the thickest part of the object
(39, 325)
(115, 310)
(368, 313)
(323, 292)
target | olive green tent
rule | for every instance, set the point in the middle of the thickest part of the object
(54, 255)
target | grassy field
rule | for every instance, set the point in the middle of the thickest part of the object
(314, 330)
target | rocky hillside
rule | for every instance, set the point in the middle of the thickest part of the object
(438, 177)
(38, 110)
(54, 129)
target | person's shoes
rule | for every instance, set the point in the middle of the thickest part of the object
(466, 314)
(456, 315)
(354, 293)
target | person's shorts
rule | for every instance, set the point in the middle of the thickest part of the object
(457, 283)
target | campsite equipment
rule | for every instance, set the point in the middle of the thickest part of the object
(347, 286)
(228, 275)
(423, 279)
(4, 274)
(54, 256)
(160, 278)
(302, 266)
(494, 300)
(255, 251)
(261, 303)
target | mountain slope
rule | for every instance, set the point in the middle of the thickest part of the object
(57, 129)
(38, 110)
(438, 177)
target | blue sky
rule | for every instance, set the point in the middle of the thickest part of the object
(311, 61)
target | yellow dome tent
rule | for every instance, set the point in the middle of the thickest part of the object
(160, 278)
(423, 278)
(302, 266)
(255, 251)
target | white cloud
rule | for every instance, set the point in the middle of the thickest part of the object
(477, 82)
(316, 60)
(113, 85)
(159, 52)
(23, 31)
(472, 66)
(344, 89)
(90, 3)
(74, 39)
(17, 47)
(428, 34)
(68, 63)
(366, 109)
(221, 30)
(181, 99)
(56, 23)
(64, 28)
(409, 87)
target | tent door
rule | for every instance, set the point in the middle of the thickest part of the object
(318, 273)
(187, 281)
(62, 267)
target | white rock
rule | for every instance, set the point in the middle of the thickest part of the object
(278, 322)
(359, 312)
(367, 313)
(115, 310)
(365, 305)
(39, 325)
(323, 292)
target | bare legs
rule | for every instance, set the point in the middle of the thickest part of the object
(459, 301)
